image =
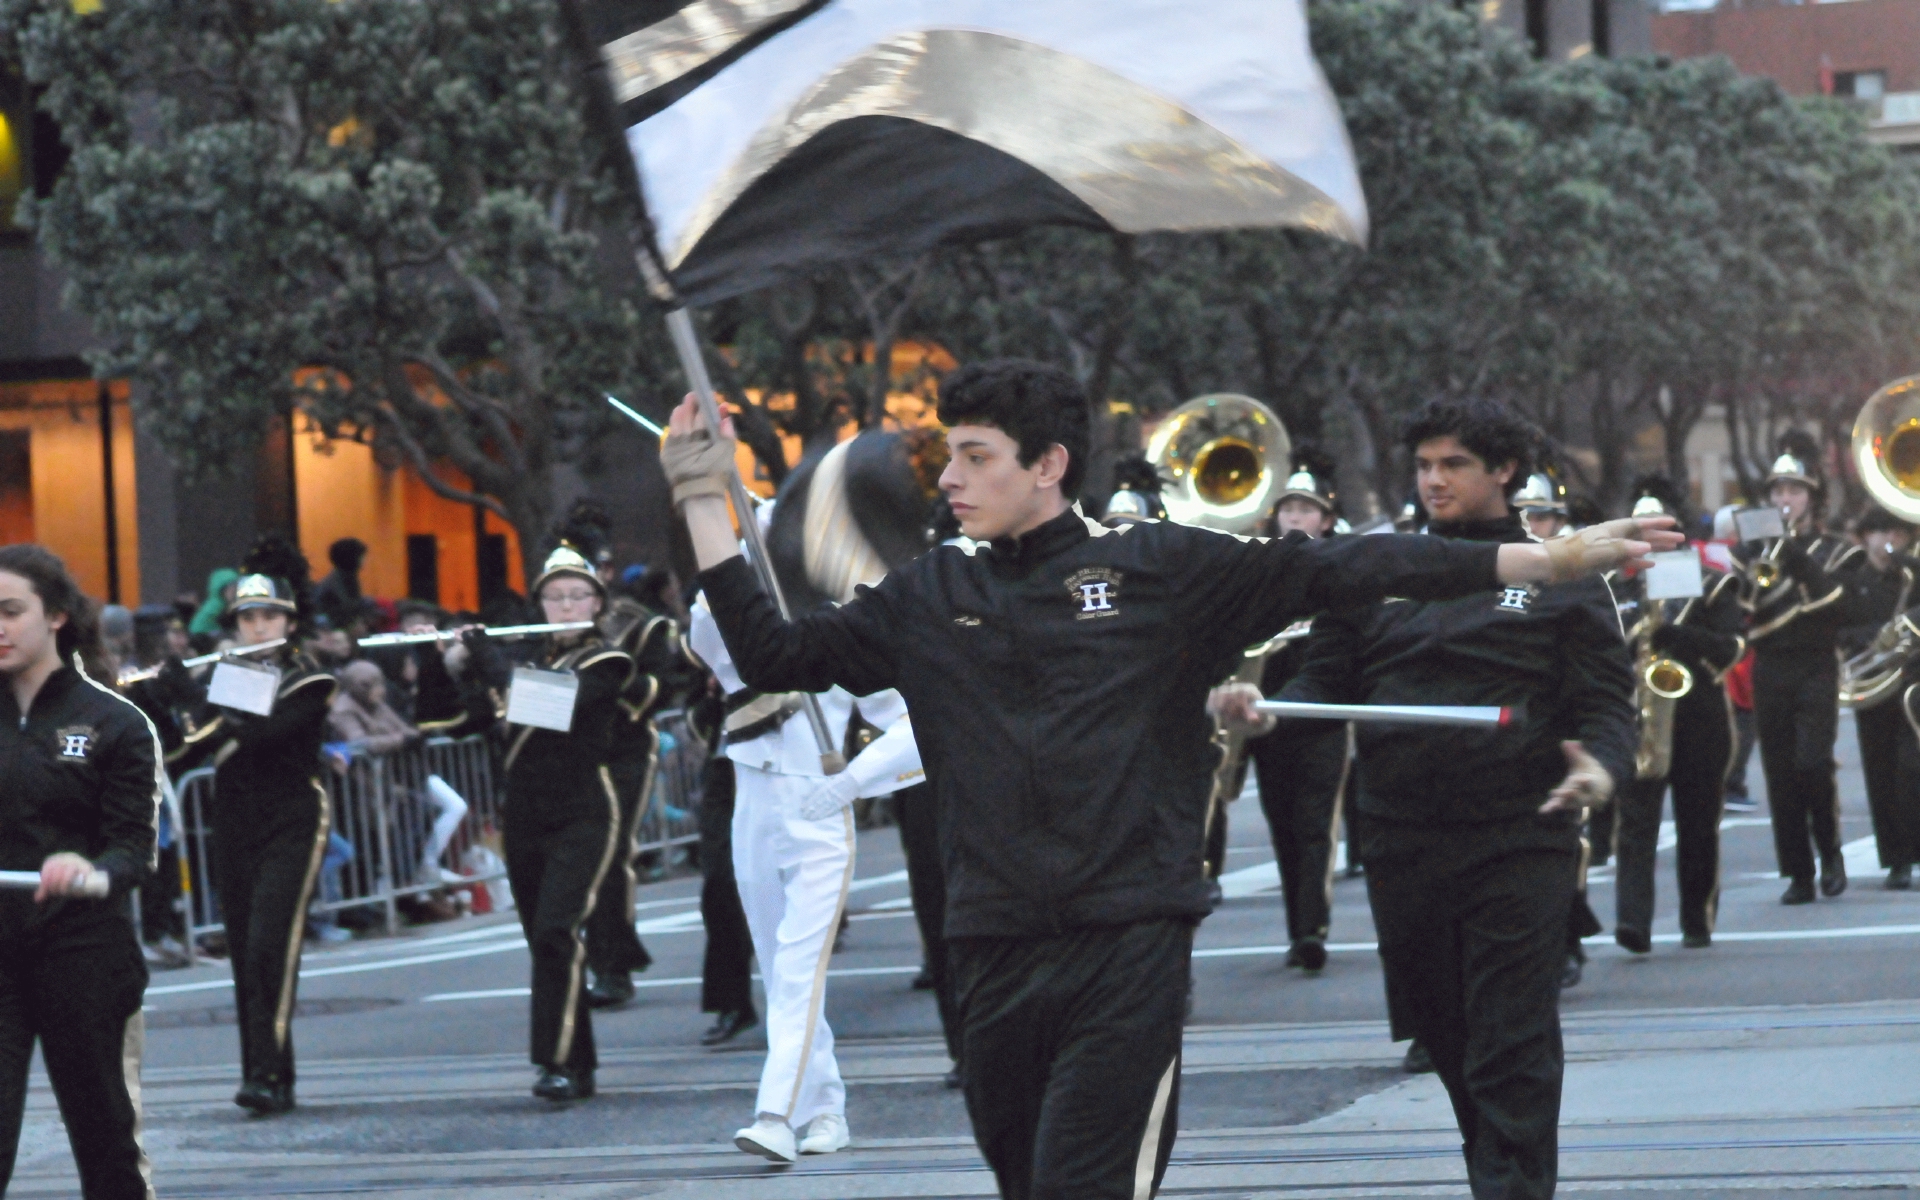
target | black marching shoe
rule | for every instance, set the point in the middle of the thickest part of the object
(1633, 941)
(729, 1025)
(264, 1099)
(610, 991)
(1799, 891)
(923, 982)
(1309, 954)
(1900, 878)
(1575, 968)
(558, 1085)
(955, 1080)
(1417, 1061)
(1696, 941)
(1833, 874)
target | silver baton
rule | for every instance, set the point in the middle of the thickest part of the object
(1402, 714)
(97, 883)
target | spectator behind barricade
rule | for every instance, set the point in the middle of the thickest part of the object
(205, 628)
(331, 646)
(361, 716)
(337, 597)
(116, 635)
(365, 723)
(420, 685)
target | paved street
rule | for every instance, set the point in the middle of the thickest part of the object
(1786, 1057)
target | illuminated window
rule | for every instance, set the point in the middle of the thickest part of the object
(13, 169)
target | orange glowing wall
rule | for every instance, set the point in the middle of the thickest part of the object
(66, 504)
(343, 492)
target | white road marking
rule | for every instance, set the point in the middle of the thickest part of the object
(686, 981)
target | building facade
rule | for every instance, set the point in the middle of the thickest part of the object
(1867, 50)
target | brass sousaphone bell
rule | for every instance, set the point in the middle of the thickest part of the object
(1886, 452)
(1222, 460)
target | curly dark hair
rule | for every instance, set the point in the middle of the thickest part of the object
(1035, 404)
(47, 575)
(1493, 432)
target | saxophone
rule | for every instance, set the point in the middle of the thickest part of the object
(1659, 683)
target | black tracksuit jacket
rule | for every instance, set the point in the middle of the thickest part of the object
(1557, 650)
(1058, 686)
(79, 774)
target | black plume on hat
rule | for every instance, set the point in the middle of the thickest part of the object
(1661, 488)
(1800, 444)
(275, 556)
(588, 528)
(1136, 474)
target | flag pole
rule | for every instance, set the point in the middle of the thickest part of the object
(687, 345)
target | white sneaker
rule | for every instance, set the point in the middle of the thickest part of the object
(768, 1137)
(827, 1133)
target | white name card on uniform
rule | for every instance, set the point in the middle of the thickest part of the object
(1759, 524)
(247, 687)
(542, 699)
(1674, 575)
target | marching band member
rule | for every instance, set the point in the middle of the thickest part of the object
(1877, 594)
(80, 791)
(1302, 766)
(270, 822)
(561, 822)
(1471, 838)
(793, 830)
(1701, 634)
(1794, 590)
(1058, 678)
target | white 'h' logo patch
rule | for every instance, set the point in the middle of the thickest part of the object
(1093, 597)
(73, 745)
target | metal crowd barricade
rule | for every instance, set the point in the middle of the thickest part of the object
(380, 805)
(672, 814)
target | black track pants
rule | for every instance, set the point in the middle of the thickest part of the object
(726, 975)
(1703, 739)
(556, 869)
(265, 885)
(927, 881)
(1472, 922)
(1301, 778)
(613, 948)
(1796, 710)
(1074, 1042)
(79, 994)
(1885, 741)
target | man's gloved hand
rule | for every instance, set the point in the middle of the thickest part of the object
(696, 463)
(830, 797)
(1587, 785)
(1608, 545)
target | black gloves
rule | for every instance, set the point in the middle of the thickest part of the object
(488, 665)
(1685, 640)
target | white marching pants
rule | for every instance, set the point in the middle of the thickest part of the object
(793, 875)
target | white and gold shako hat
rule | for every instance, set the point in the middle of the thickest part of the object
(1543, 492)
(261, 591)
(1305, 485)
(565, 560)
(1792, 466)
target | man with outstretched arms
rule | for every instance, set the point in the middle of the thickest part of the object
(1058, 679)
(1471, 837)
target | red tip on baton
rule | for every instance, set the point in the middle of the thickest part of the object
(1509, 714)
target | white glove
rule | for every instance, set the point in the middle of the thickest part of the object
(830, 797)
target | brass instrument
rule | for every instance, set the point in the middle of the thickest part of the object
(1659, 683)
(1765, 570)
(199, 660)
(1223, 459)
(1886, 450)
